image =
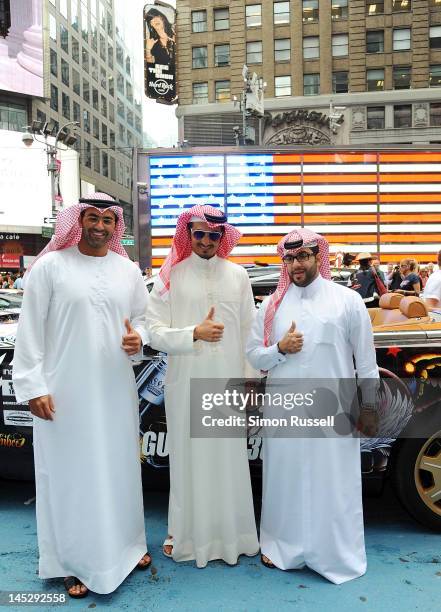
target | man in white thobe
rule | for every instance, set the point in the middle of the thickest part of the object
(82, 318)
(200, 312)
(313, 328)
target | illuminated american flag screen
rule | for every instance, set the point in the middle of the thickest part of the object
(356, 199)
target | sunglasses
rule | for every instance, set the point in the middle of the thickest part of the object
(200, 234)
(302, 256)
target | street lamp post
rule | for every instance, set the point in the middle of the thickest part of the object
(251, 103)
(62, 135)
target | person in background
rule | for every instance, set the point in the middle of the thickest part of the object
(18, 283)
(424, 275)
(410, 282)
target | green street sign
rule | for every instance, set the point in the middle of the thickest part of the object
(47, 232)
(128, 241)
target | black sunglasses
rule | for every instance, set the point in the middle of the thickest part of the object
(199, 235)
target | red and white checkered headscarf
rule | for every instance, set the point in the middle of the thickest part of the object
(68, 228)
(309, 238)
(181, 246)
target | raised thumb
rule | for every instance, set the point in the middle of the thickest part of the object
(128, 326)
(292, 328)
(210, 314)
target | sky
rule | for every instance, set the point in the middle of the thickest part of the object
(160, 121)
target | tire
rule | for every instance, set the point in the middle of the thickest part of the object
(415, 479)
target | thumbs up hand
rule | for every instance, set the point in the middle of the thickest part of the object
(292, 341)
(208, 330)
(131, 341)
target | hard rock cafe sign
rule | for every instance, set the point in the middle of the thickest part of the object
(298, 126)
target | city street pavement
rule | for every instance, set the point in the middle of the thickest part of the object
(404, 568)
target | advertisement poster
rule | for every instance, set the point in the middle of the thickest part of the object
(160, 53)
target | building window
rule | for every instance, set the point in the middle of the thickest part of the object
(311, 47)
(95, 98)
(401, 39)
(86, 91)
(403, 116)
(54, 62)
(401, 5)
(200, 93)
(94, 69)
(52, 28)
(120, 110)
(339, 9)
(96, 128)
(375, 41)
(103, 105)
(76, 111)
(110, 56)
(221, 55)
(87, 154)
(282, 50)
(64, 72)
(64, 38)
(435, 113)
(84, 23)
(340, 82)
(281, 12)
(103, 77)
(435, 76)
(221, 19)
(282, 86)
(198, 21)
(54, 98)
(86, 121)
(254, 52)
(339, 45)
(375, 79)
(130, 117)
(311, 84)
(65, 105)
(119, 54)
(76, 82)
(85, 60)
(111, 112)
(222, 91)
(96, 160)
(120, 83)
(112, 139)
(375, 117)
(14, 116)
(199, 57)
(310, 10)
(401, 77)
(253, 15)
(435, 37)
(105, 163)
(103, 47)
(75, 50)
(374, 8)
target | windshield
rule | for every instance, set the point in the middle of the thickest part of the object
(10, 301)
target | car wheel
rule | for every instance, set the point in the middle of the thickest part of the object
(417, 478)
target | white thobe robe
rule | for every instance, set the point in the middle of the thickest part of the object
(90, 518)
(312, 510)
(211, 512)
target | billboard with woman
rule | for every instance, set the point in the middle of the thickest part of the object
(159, 52)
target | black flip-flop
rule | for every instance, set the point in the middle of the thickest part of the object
(144, 566)
(71, 581)
(266, 564)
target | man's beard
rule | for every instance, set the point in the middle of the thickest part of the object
(309, 276)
